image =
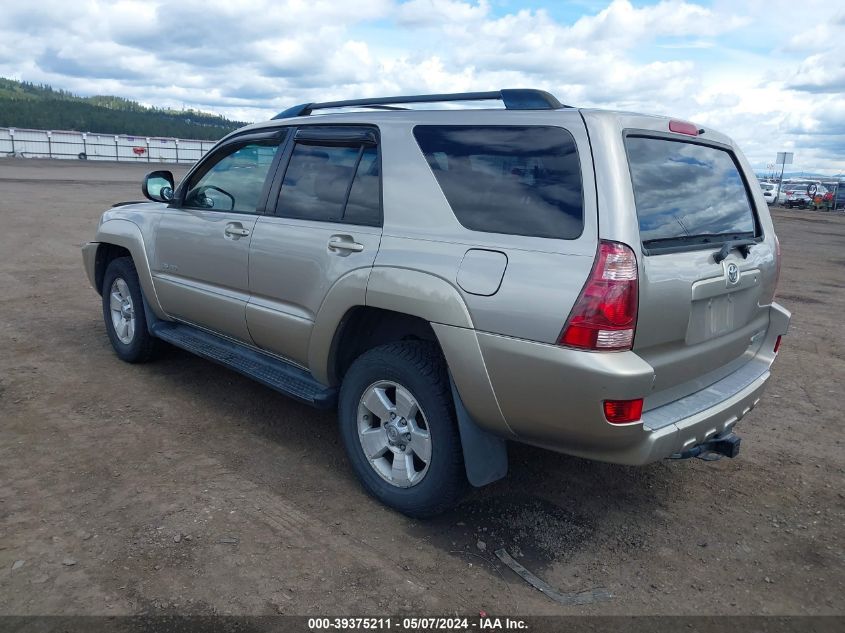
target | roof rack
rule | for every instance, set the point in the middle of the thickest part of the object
(514, 99)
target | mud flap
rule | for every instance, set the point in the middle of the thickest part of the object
(485, 454)
(150, 316)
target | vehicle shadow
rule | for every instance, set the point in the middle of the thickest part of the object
(548, 508)
(551, 506)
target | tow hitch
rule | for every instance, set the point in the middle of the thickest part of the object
(713, 449)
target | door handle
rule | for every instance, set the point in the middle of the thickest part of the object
(344, 243)
(235, 230)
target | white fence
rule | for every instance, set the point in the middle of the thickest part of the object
(91, 146)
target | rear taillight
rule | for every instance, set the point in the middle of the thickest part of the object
(605, 315)
(623, 411)
(777, 344)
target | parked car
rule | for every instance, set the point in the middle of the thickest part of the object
(592, 282)
(800, 194)
(770, 192)
(794, 194)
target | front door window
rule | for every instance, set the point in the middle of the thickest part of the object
(235, 182)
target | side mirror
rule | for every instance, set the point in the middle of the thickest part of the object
(158, 186)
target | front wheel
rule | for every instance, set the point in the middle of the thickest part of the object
(397, 421)
(123, 313)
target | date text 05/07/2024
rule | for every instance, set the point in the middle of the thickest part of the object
(482, 623)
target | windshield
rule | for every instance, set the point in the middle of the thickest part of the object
(687, 192)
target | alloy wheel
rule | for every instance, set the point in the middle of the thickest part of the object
(394, 434)
(122, 311)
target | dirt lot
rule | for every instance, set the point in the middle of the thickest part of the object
(181, 487)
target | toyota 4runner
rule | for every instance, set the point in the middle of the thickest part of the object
(596, 283)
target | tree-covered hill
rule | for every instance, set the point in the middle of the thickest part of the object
(28, 105)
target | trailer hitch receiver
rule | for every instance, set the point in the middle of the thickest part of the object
(714, 448)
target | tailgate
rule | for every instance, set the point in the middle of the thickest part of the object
(694, 326)
(701, 315)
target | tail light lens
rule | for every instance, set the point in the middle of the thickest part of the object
(683, 127)
(623, 411)
(777, 344)
(605, 315)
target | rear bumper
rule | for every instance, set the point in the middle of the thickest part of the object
(692, 428)
(552, 397)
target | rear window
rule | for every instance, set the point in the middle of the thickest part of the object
(517, 180)
(687, 193)
(330, 183)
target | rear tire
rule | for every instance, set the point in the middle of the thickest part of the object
(396, 399)
(123, 313)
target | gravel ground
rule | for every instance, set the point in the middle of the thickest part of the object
(181, 487)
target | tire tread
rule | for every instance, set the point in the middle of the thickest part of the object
(145, 346)
(424, 359)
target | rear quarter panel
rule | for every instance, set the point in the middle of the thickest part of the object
(543, 277)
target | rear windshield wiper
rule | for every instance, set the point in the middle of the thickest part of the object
(743, 246)
(700, 238)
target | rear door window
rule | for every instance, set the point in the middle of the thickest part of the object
(687, 193)
(328, 182)
(517, 180)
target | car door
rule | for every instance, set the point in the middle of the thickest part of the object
(201, 252)
(326, 224)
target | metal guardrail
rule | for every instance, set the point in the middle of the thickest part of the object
(62, 144)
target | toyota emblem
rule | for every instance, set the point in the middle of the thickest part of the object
(733, 274)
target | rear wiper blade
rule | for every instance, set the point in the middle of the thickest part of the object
(702, 238)
(743, 246)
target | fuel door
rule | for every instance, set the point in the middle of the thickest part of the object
(481, 271)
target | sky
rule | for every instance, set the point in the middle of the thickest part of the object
(769, 74)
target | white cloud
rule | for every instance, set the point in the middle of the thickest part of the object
(822, 73)
(623, 24)
(435, 13)
(739, 68)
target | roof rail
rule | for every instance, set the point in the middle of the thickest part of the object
(514, 99)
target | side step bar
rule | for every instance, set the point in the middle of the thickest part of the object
(269, 371)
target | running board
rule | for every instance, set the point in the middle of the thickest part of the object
(269, 371)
